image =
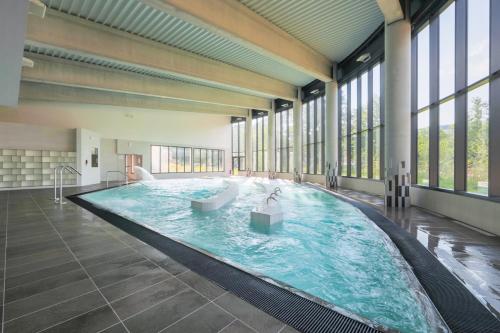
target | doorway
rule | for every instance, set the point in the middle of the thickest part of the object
(132, 160)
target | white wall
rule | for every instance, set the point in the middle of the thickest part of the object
(25, 136)
(139, 127)
(363, 185)
(482, 214)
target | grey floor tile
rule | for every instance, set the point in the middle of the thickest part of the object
(237, 327)
(57, 314)
(27, 305)
(119, 274)
(117, 263)
(35, 266)
(34, 288)
(168, 312)
(201, 284)
(143, 299)
(90, 251)
(171, 266)
(254, 317)
(118, 328)
(41, 274)
(208, 319)
(33, 248)
(138, 282)
(106, 257)
(89, 322)
(40, 256)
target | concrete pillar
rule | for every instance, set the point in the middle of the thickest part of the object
(397, 103)
(248, 141)
(297, 134)
(331, 130)
(13, 15)
(271, 147)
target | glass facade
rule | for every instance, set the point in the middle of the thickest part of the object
(361, 125)
(451, 114)
(259, 141)
(170, 159)
(313, 135)
(284, 140)
(238, 144)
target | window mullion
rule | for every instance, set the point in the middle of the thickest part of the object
(358, 132)
(370, 123)
(433, 99)
(460, 101)
(494, 139)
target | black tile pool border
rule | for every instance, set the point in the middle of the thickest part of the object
(461, 311)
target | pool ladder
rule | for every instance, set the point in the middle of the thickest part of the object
(125, 177)
(61, 169)
(273, 195)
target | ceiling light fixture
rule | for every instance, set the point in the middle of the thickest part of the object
(315, 91)
(365, 57)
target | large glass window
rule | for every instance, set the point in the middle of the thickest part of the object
(423, 148)
(354, 128)
(477, 140)
(343, 130)
(284, 140)
(169, 159)
(238, 144)
(313, 129)
(447, 144)
(447, 52)
(457, 119)
(478, 40)
(361, 125)
(259, 141)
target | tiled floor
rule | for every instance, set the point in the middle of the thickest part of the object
(474, 257)
(66, 270)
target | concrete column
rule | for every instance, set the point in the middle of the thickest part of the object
(13, 15)
(271, 147)
(297, 133)
(397, 100)
(331, 128)
(248, 141)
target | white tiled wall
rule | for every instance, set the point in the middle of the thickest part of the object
(26, 168)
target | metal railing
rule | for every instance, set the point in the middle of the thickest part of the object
(61, 169)
(125, 177)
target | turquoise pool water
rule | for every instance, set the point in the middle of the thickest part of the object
(324, 247)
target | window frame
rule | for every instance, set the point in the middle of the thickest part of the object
(461, 90)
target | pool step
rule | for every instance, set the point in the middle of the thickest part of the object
(217, 201)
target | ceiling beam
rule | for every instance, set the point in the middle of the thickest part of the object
(391, 9)
(75, 74)
(32, 91)
(237, 22)
(81, 37)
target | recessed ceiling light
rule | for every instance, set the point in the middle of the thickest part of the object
(315, 91)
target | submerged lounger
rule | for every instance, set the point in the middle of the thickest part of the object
(217, 201)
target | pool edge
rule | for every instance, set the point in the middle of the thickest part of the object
(294, 308)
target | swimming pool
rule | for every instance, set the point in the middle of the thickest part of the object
(325, 247)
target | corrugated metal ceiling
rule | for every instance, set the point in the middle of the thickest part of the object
(134, 17)
(332, 27)
(63, 54)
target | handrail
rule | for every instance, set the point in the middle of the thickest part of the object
(115, 171)
(61, 169)
(56, 199)
(71, 169)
